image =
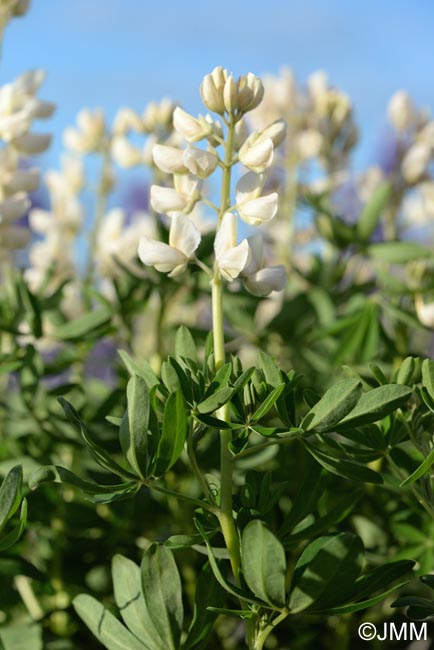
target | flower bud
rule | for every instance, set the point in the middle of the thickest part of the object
(124, 153)
(415, 162)
(256, 154)
(212, 90)
(425, 312)
(127, 120)
(250, 92)
(308, 144)
(23, 180)
(13, 208)
(230, 95)
(241, 133)
(401, 111)
(32, 143)
(189, 127)
(200, 163)
(169, 159)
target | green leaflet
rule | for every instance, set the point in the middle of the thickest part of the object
(161, 586)
(263, 563)
(173, 433)
(325, 572)
(335, 404)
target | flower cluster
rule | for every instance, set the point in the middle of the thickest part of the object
(52, 256)
(19, 107)
(231, 99)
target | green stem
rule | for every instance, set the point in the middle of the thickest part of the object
(225, 512)
(100, 210)
(263, 635)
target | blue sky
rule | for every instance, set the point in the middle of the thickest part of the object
(109, 53)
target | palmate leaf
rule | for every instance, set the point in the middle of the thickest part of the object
(127, 585)
(325, 572)
(263, 563)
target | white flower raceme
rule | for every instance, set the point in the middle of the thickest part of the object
(174, 257)
(424, 311)
(19, 105)
(191, 128)
(257, 278)
(124, 153)
(180, 198)
(415, 162)
(117, 241)
(89, 134)
(256, 153)
(231, 258)
(401, 111)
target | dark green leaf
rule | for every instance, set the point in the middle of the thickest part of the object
(263, 563)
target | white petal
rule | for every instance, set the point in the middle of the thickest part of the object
(266, 280)
(425, 312)
(188, 126)
(259, 210)
(162, 256)
(256, 243)
(233, 261)
(166, 199)
(257, 156)
(199, 162)
(124, 153)
(13, 208)
(24, 181)
(32, 143)
(249, 187)
(226, 236)
(168, 159)
(184, 235)
(40, 220)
